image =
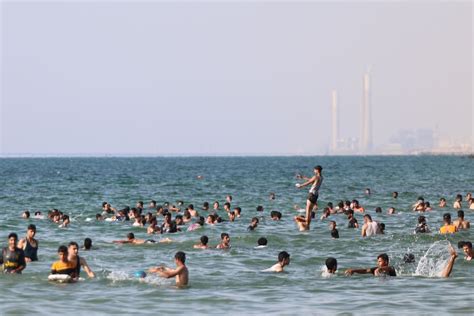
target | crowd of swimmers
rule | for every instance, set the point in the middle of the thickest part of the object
(19, 252)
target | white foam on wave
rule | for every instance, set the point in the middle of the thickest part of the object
(122, 276)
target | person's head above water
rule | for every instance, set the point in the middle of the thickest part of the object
(331, 264)
(87, 244)
(447, 218)
(284, 258)
(262, 241)
(204, 240)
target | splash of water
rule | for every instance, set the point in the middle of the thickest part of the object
(434, 260)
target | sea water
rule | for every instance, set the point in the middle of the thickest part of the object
(231, 281)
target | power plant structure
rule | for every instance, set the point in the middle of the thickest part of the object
(353, 145)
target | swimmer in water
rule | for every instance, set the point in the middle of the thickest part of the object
(132, 240)
(449, 266)
(312, 200)
(225, 242)
(13, 258)
(448, 227)
(203, 244)
(334, 231)
(382, 268)
(29, 244)
(331, 267)
(253, 224)
(370, 227)
(73, 256)
(181, 271)
(461, 223)
(283, 260)
(467, 248)
(458, 201)
(63, 265)
(261, 243)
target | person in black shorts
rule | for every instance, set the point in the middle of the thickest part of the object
(312, 199)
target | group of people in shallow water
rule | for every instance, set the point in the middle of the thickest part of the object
(15, 257)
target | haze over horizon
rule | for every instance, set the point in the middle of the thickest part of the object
(234, 78)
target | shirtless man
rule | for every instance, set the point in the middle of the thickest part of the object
(312, 200)
(467, 248)
(73, 256)
(203, 244)
(132, 240)
(225, 242)
(29, 244)
(382, 268)
(283, 260)
(181, 271)
(461, 223)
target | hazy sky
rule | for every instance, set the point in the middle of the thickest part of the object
(247, 77)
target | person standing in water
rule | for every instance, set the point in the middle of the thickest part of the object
(312, 200)
(29, 244)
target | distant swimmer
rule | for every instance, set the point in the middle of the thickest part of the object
(331, 267)
(357, 207)
(352, 221)
(73, 256)
(275, 215)
(467, 248)
(461, 223)
(334, 231)
(458, 201)
(422, 226)
(203, 243)
(383, 268)
(63, 265)
(88, 244)
(261, 243)
(29, 244)
(225, 242)
(13, 258)
(370, 227)
(312, 199)
(442, 202)
(181, 272)
(253, 224)
(132, 240)
(283, 260)
(395, 194)
(25, 214)
(448, 227)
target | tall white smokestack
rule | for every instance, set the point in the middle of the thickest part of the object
(366, 123)
(335, 122)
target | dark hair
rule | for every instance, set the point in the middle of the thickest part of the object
(319, 168)
(140, 202)
(378, 209)
(330, 205)
(224, 235)
(131, 236)
(459, 197)
(180, 256)
(340, 204)
(334, 233)
(368, 216)
(262, 241)
(27, 213)
(331, 263)
(461, 214)
(259, 208)
(255, 219)
(447, 216)
(384, 257)
(73, 243)
(238, 209)
(283, 255)
(275, 214)
(382, 227)
(31, 227)
(62, 249)
(13, 235)
(191, 207)
(201, 220)
(104, 204)
(421, 219)
(204, 240)
(409, 258)
(465, 243)
(87, 243)
(227, 204)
